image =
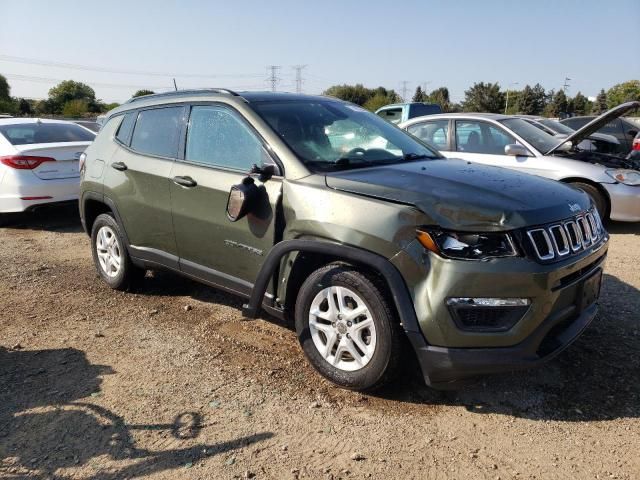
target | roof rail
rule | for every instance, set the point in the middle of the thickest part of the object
(196, 91)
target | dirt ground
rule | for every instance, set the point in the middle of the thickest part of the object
(170, 382)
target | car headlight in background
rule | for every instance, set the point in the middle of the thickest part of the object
(628, 177)
(467, 246)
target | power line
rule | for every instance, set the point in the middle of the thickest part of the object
(299, 80)
(74, 66)
(273, 78)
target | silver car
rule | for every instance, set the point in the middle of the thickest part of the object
(612, 181)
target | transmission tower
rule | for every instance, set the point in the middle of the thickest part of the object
(405, 90)
(566, 84)
(273, 78)
(299, 80)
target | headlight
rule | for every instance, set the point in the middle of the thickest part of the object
(467, 246)
(628, 177)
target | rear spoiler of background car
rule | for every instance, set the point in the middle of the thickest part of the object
(596, 124)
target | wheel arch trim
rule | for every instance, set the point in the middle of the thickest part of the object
(393, 278)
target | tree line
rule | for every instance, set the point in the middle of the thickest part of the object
(69, 99)
(75, 99)
(490, 98)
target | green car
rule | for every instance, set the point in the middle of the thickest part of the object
(367, 239)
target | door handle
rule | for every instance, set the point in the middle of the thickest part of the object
(184, 181)
(119, 166)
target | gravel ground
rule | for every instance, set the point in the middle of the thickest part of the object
(170, 382)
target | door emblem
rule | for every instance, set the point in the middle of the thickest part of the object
(242, 246)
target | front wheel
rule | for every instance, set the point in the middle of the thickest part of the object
(596, 196)
(347, 328)
(110, 255)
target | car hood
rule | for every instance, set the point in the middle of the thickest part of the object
(596, 124)
(460, 195)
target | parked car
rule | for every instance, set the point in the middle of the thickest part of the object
(39, 162)
(621, 128)
(596, 142)
(484, 269)
(612, 181)
(401, 112)
(91, 125)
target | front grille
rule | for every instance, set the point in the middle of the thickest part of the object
(558, 240)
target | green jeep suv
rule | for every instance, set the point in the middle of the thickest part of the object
(318, 211)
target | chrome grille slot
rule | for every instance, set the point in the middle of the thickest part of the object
(560, 240)
(541, 243)
(575, 239)
(564, 238)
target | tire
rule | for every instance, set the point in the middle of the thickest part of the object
(110, 255)
(371, 332)
(601, 203)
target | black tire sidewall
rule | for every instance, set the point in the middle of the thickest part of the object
(339, 275)
(596, 196)
(122, 280)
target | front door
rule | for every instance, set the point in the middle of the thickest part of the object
(219, 150)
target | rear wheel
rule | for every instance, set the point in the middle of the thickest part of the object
(110, 255)
(596, 196)
(347, 328)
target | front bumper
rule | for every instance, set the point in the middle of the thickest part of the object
(625, 202)
(556, 316)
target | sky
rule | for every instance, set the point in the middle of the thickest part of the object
(118, 46)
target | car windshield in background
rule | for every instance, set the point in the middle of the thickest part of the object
(541, 141)
(330, 135)
(27, 133)
(556, 126)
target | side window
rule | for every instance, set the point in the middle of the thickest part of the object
(481, 137)
(434, 133)
(157, 131)
(393, 115)
(217, 136)
(126, 126)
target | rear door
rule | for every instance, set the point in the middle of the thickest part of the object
(137, 180)
(219, 149)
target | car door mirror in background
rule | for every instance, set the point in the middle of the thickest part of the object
(242, 198)
(516, 150)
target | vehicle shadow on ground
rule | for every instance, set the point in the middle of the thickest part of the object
(596, 378)
(45, 427)
(58, 218)
(623, 227)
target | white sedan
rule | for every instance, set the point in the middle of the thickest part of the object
(39, 162)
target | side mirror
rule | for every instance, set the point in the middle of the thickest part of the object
(266, 172)
(516, 150)
(241, 199)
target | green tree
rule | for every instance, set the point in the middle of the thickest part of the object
(110, 106)
(539, 99)
(68, 90)
(419, 96)
(440, 96)
(75, 108)
(601, 104)
(623, 92)
(580, 104)
(484, 97)
(526, 104)
(377, 101)
(5, 89)
(357, 94)
(558, 105)
(143, 92)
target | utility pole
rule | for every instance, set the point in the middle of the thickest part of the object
(273, 78)
(175, 85)
(405, 89)
(299, 80)
(506, 103)
(566, 84)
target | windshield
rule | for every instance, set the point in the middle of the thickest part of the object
(330, 135)
(540, 140)
(556, 126)
(27, 133)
